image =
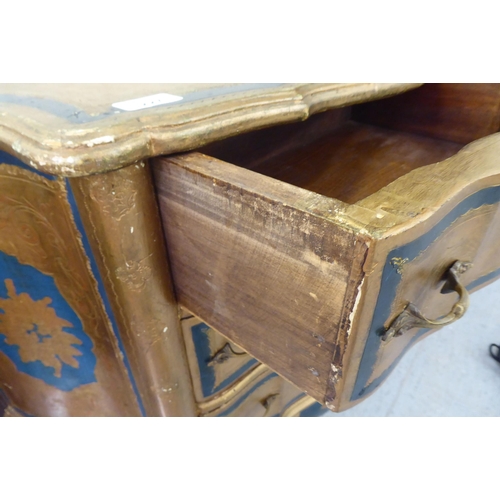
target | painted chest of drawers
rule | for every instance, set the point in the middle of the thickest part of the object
(235, 250)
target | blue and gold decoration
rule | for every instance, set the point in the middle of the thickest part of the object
(228, 382)
(60, 352)
(368, 379)
(39, 331)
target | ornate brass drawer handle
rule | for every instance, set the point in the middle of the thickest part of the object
(411, 317)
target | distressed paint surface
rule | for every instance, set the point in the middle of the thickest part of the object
(74, 130)
(391, 278)
(59, 352)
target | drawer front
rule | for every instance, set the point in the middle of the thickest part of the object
(417, 272)
(312, 286)
(265, 394)
(256, 399)
(303, 406)
(237, 385)
(313, 410)
(214, 362)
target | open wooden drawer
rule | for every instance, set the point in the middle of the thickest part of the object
(320, 247)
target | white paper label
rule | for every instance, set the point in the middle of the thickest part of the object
(146, 102)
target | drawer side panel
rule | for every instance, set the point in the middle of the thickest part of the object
(270, 277)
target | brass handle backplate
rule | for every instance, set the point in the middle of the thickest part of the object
(411, 317)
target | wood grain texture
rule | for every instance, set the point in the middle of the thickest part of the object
(459, 112)
(240, 242)
(347, 162)
(273, 278)
(240, 245)
(73, 130)
(251, 149)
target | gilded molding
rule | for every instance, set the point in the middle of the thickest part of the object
(63, 143)
(120, 215)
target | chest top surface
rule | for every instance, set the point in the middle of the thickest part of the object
(80, 129)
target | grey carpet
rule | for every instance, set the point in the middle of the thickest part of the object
(448, 374)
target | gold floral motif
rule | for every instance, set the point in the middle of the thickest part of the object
(35, 229)
(38, 228)
(134, 274)
(117, 201)
(37, 330)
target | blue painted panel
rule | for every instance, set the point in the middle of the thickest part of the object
(39, 331)
(62, 375)
(201, 342)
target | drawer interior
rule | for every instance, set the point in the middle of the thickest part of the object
(350, 153)
(287, 265)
